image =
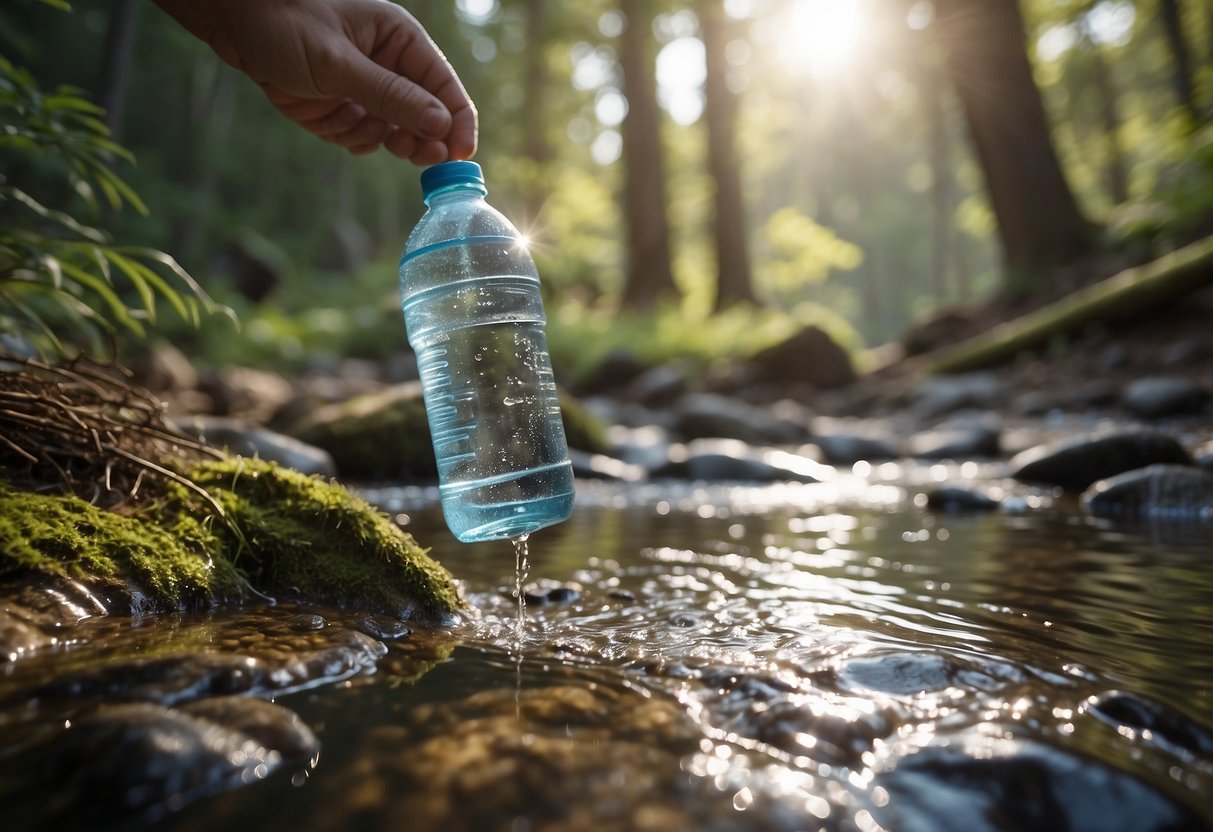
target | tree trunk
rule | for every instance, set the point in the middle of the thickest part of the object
(535, 83)
(649, 277)
(1109, 109)
(1039, 223)
(1181, 60)
(116, 63)
(733, 281)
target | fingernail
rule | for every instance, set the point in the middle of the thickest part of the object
(433, 123)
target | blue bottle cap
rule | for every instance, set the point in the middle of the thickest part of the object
(450, 173)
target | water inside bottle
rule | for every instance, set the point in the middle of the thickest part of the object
(494, 416)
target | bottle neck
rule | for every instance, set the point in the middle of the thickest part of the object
(456, 192)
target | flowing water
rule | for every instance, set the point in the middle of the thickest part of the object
(781, 657)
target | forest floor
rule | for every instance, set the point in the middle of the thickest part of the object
(1173, 340)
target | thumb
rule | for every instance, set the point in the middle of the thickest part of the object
(392, 97)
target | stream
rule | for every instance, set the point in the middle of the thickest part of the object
(726, 657)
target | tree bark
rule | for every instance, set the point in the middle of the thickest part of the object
(1181, 59)
(733, 280)
(116, 63)
(1039, 223)
(648, 278)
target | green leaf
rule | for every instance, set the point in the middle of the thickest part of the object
(143, 279)
(117, 308)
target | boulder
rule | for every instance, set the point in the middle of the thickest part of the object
(1158, 491)
(1079, 461)
(809, 356)
(703, 415)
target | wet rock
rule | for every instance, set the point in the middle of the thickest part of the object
(911, 673)
(381, 627)
(946, 394)
(1176, 491)
(849, 448)
(164, 368)
(548, 593)
(960, 442)
(1151, 721)
(1091, 395)
(1155, 398)
(703, 415)
(39, 610)
(722, 460)
(977, 784)
(625, 595)
(148, 760)
(602, 467)
(1204, 456)
(810, 356)
(1077, 462)
(306, 622)
(263, 668)
(956, 499)
(240, 438)
(1188, 351)
(647, 446)
(1112, 357)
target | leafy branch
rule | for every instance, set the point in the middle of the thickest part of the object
(65, 286)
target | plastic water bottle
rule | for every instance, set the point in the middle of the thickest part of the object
(474, 315)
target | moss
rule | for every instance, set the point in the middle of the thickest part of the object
(583, 429)
(66, 536)
(384, 434)
(300, 536)
(284, 534)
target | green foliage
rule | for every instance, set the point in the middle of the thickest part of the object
(803, 251)
(64, 285)
(581, 336)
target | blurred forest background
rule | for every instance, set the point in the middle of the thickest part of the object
(696, 178)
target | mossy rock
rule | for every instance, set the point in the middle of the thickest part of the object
(386, 435)
(381, 435)
(282, 534)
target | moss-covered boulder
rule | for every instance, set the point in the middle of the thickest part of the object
(281, 534)
(381, 435)
(386, 435)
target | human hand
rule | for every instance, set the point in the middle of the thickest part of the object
(357, 73)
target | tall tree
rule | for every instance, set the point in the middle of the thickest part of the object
(1039, 223)
(733, 280)
(1181, 59)
(648, 277)
(116, 62)
(1116, 172)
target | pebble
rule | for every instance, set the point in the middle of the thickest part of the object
(1155, 398)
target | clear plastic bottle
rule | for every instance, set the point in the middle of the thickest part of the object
(474, 315)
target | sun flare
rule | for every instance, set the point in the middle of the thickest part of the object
(822, 36)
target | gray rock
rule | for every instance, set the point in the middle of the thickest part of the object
(163, 368)
(1112, 357)
(705, 415)
(1203, 456)
(849, 448)
(946, 394)
(240, 438)
(601, 467)
(911, 673)
(961, 442)
(1077, 462)
(955, 499)
(717, 460)
(147, 760)
(973, 784)
(1155, 398)
(618, 368)
(1188, 352)
(1163, 491)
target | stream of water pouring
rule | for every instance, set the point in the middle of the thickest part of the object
(522, 568)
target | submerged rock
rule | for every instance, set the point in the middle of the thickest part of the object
(1177, 491)
(145, 759)
(979, 784)
(1078, 462)
(724, 460)
(955, 498)
(1159, 723)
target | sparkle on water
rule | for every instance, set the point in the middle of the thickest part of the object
(771, 657)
